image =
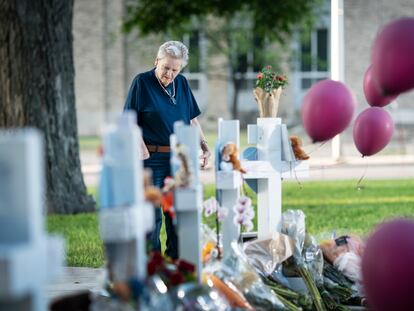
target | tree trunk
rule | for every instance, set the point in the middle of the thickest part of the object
(37, 90)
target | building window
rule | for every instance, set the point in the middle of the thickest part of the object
(250, 63)
(192, 41)
(313, 57)
(312, 62)
(195, 69)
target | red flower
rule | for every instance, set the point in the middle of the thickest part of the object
(151, 268)
(176, 278)
(167, 203)
(268, 79)
(185, 266)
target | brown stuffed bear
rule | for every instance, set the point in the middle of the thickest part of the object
(152, 194)
(229, 155)
(296, 143)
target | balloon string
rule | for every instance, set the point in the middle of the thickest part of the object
(296, 176)
(317, 147)
(358, 185)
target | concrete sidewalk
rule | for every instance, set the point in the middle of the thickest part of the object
(74, 280)
(378, 167)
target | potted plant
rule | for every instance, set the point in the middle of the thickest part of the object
(269, 85)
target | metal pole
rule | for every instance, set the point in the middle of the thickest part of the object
(337, 58)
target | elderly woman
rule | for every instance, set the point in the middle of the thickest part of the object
(161, 97)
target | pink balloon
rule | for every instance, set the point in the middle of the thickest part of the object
(387, 266)
(393, 57)
(373, 130)
(327, 109)
(372, 92)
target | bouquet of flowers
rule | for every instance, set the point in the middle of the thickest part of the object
(269, 85)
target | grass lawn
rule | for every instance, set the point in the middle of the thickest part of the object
(91, 143)
(328, 206)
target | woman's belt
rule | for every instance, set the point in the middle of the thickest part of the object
(154, 148)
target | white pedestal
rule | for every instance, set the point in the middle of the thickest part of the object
(188, 200)
(124, 217)
(28, 257)
(228, 183)
(275, 161)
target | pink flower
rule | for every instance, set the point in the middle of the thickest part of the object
(239, 208)
(248, 225)
(269, 80)
(243, 210)
(239, 219)
(249, 213)
(222, 213)
(210, 206)
(244, 200)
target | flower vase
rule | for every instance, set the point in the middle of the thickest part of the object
(268, 102)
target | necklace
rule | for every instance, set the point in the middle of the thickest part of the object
(171, 96)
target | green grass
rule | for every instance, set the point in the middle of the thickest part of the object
(81, 232)
(89, 143)
(211, 138)
(333, 205)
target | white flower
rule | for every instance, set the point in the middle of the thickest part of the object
(239, 219)
(239, 208)
(169, 183)
(222, 213)
(248, 225)
(246, 210)
(249, 213)
(210, 206)
(244, 200)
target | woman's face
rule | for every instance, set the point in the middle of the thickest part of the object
(167, 69)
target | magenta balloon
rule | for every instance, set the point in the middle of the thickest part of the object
(392, 57)
(372, 131)
(387, 266)
(327, 109)
(372, 92)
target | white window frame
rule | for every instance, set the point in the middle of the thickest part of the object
(298, 75)
(200, 94)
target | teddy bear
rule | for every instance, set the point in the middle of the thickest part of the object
(299, 153)
(229, 158)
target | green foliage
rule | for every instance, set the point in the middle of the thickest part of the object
(81, 233)
(269, 80)
(338, 205)
(268, 18)
(328, 206)
(89, 143)
(243, 31)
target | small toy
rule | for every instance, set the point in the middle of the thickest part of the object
(229, 158)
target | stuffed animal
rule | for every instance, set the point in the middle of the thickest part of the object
(296, 143)
(152, 194)
(229, 158)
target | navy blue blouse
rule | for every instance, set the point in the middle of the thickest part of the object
(156, 111)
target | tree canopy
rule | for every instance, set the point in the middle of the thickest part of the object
(270, 18)
(233, 28)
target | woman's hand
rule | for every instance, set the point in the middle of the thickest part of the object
(204, 158)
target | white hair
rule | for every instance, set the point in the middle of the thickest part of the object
(174, 49)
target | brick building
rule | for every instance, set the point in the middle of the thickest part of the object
(106, 60)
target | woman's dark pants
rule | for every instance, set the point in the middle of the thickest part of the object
(159, 163)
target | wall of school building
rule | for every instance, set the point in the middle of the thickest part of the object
(106, 61)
